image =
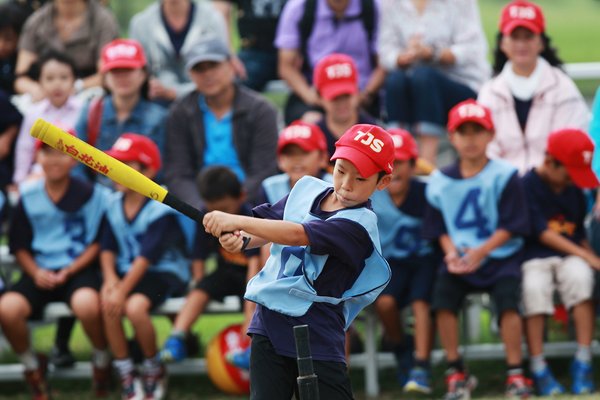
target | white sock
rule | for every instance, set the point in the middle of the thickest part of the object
(29, 360)
(583, 354)
(100, 358)
(124, 366)
(537, 363)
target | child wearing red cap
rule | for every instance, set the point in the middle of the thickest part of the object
(400, 210)
(54, 237)
(477, 212)
(558, 256)
(325, 252)
(143, 263)
(530, 95)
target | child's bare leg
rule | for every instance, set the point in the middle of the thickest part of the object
(447, 325)
(194, 306)
(534, 332)
(14, 311)
(389, 315)
(583, 317)
(137, 310)
(511, 329)
(115, 335)
(85, 303)
(423, 330)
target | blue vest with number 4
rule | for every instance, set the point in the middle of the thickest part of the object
(59, 237)
(129, 234)
(285, 284)
(470, 206)
(400, 233)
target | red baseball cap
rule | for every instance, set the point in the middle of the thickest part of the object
(521, 13)
(122, 53)
(405, 146)
(369, 147)
(308, 136)
(335, 75)
(469, 111)
(136, 147)
(575, 150)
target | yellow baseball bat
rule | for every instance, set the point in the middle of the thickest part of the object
(109, 166)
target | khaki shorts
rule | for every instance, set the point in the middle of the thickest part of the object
(571, 276)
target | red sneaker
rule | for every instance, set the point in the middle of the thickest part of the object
(36, 380)
(101, 380)
(460, 385)
(518, 387)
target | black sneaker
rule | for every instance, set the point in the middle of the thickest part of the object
(61, 358)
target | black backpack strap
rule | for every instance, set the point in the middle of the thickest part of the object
(305, 26)
(367, 15)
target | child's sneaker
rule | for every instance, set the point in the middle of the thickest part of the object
(239, 358)
(419, 381)
(460, 385)
(36, 380)
(173, 350)
(131, 388)
(546, 384)
(155, 384)
(61, 358)
(581, 374)
(519, 387)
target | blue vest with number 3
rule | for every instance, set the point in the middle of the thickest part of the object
(400, 233)
(59, 237)
(285, 284)
(470, 206)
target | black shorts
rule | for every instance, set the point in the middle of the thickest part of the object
(226, 280)
(274, 377)
(39, 298)
(450, 291)
(411, 281)
(159, 286)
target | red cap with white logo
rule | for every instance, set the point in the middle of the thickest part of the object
(469, 111)
(405, 146)
(336, 75)
(136, 147)
(369, 147)
(122, 53)
(308, 136)
(521, 13)
(575, 150)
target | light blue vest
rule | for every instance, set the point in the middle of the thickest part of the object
(470, 206)
(278, 186)
(400, 233)
(285, 283)
(128, 236)
(59, 237)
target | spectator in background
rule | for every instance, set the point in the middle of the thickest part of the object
(12, 18)
(59, 106)
(559, 257)
(78, 28)
(435, 55)
(308, 30)
(256, 62)
(167, 30)
(531, 96)
(336, 81)
(219, 123)
(10, 121)
(125, 108)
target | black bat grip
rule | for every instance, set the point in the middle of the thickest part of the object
(308, 382)
(183, 207)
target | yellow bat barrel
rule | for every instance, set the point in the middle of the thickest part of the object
(97, 160)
